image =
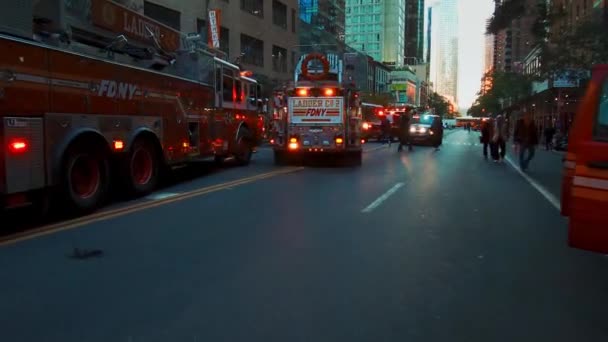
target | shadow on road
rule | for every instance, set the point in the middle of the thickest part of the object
(22, 219)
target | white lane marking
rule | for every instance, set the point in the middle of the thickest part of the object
(375, 204)
(161, 195)
(555, 202)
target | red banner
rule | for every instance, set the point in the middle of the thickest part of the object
(213, 28)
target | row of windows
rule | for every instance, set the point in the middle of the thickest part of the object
(363, 28)
(279, 12)
(364, 19)
(364, 9)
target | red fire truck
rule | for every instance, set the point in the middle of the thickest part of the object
(323, 116)
(585, 171)
(82, 109)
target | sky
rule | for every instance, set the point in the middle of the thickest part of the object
(472, 21)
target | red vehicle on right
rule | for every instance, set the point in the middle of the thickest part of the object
(585, 171)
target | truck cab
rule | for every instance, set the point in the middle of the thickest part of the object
(585, 170)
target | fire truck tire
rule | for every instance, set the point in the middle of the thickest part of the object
(142, 167)
(280, 159)
(244, 147)
(355, 159)
(85, 176)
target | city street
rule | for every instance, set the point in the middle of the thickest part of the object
(413, 246)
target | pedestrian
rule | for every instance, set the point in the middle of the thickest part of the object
(386, 130)
(437, 131)
(525, 138)
(499, 138)
(404, 131)
(549, 133)
(486, 136)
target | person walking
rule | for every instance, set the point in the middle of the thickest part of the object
(486, 136)
(549, 133)
(499, 138)
(404, 131)
(386, 131)
(525, 138)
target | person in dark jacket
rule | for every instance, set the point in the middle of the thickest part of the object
(386, 130)
(404, 131)
(437, 130)
(525, 137)
(486, 135)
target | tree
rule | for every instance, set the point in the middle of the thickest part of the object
(504, 14)
(506, 86)
(439, 103)
(571, 51)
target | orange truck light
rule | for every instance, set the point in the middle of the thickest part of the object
(293, 140)
(118, 145)
(329, 92)
(366, 126)
(339, 140)
(302, 92)
(293, 145)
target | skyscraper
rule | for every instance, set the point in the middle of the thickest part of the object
(414, 30)
(322, 25)
(444, 49)
(377, 28)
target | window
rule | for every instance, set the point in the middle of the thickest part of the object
(252, 50)
(279, 59)
(225, 40)
(293, 20)
(163, 14)
(601, 125)
(201, 26)
(255, 7)
(227, 85)
(279, 14)
(239, 91)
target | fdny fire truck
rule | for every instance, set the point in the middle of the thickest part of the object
(93, 94)
(318, 115)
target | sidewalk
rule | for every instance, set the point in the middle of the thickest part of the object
(545, 168)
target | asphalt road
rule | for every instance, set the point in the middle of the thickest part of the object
(413, 246)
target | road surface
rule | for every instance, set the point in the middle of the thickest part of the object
(413, 246)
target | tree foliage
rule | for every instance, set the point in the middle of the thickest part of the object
(504, 14)
(572, 50)
(506, 86)
(440, 104)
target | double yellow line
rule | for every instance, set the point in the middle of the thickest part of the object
(110, 214)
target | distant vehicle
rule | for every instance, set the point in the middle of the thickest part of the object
(372, 121)
(420, 129)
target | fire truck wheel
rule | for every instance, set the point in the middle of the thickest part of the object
(356, 159)
(85, 176)
(244, 148)
(143, 167)
(280, 159)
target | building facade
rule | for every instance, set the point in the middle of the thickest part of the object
(321, 26)
(376, 27)
(259, 35)
(414, 30)
(444, 49)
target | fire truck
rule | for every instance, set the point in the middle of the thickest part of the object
(584, 195)
(318, 115)
(94, 95)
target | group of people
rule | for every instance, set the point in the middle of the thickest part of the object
(495, 134)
